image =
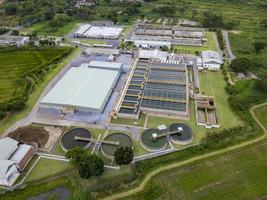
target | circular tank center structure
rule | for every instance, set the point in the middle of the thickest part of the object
(181, 137)
(114, 141)
(149, 143)
(69, 140)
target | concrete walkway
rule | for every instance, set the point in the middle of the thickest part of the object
(146, 180)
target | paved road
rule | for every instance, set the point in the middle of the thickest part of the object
(230, 55)
(141, 187)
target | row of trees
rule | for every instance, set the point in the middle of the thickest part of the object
(220, 39)
(92, 165)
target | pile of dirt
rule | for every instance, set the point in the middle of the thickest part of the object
(31, 134)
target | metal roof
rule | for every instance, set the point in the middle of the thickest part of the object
(20, 153)
(83, 87)
(7, 147)
(211, 56)
(153, 54)
(4, 166)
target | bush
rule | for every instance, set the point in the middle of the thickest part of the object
(123, 155)
(241, 65)
(91, 165)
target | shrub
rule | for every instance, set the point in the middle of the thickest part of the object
(123, 155)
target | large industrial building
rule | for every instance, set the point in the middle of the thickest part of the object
(86, 88)
(13, 159)
(98, 32)
(151, 36)
(155, 86)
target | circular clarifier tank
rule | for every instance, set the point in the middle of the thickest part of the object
(184, 133)
(69, 139)
(113, 142)
(151, 144)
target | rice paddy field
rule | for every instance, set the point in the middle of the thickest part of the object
(240, 174)
(14, 63)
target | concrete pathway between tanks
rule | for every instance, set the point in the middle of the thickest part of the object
(142, 185)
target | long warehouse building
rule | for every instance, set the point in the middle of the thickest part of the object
(85, 88)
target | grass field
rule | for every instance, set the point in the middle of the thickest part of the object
(133, 122)
(16, 62)
(240, 174)
(47, 168)
(211, 45)
(43, 28)
(213, 83)
(261, 114)
(11, 119)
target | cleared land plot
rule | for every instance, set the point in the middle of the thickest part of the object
(29, 134)
(240, 174)
(14, 63)
(261, 114)
(213, 84)
(47, 168)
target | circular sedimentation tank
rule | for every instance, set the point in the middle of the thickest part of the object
(153, 145)
(121, 139)
(184, 137)
(69, 142)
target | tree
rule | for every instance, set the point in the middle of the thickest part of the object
(15, 32)
(258, 46)
(212, 20)
(87, 165)
(165, 48)
(264, 23)
(261, 84)
(123, 155)
(240, 64)
(90, 165)
(76, 155)
(11, 9)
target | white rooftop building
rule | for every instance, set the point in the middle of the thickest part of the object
(156, 54)
(150, 44)
(98, 32)
(211, 60)
(13, 159)
(85, 88)
(13, 40)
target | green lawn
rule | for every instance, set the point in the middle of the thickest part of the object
(43, 28)
(11, 119)
(261, 114)
(133, 122)
(211, 45)
(47, 168)
(213, 83)
(240, 174)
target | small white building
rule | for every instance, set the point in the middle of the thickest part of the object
(9, 172)
(150, 44)
(211, 60)
(6, 40)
